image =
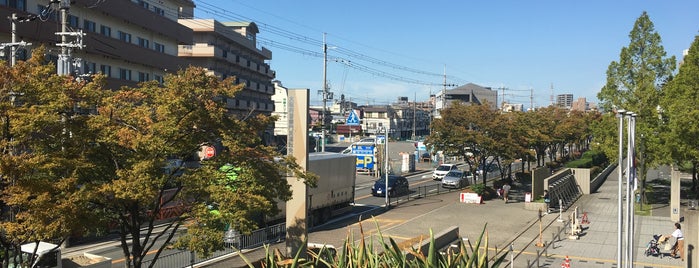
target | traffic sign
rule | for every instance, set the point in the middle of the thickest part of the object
(209, 152)
(352, 119)
(380, 139)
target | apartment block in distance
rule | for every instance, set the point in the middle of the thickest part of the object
(128, 40)
(230, 49)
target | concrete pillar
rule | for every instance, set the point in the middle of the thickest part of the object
(675, 195)
(297, 145)
(690, 229)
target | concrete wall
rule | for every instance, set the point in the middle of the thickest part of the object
(441, 239)
(582, 178)
(538, 176)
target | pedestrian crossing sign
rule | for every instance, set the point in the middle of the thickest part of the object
(352, 119)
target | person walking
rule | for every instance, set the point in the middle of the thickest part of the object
(679, 241)
(547, 201)
(505, 191)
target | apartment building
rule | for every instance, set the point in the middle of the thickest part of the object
(469, 94)
(230, 49)
(127, 40)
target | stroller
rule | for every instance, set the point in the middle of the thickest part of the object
(652, 247)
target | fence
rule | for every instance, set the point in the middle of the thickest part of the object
(272, 234)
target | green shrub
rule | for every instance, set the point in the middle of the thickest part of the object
(364, 254)
(478, 188)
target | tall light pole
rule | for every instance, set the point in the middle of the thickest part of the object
(620, 115)
(630, 178)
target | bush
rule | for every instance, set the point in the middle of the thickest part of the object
(366, 255)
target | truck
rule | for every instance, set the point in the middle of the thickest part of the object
(334, 194)
(48, 255)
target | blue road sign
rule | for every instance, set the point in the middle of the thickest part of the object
(352, 119)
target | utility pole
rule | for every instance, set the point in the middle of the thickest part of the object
(65, 59)
(325, 92)
(414, 114)
(14, 45)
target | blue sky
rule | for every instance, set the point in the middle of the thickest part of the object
(532, 48)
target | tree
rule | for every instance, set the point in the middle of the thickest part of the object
(42, 165)
(634, 83)
(681, 104)
(469, 131)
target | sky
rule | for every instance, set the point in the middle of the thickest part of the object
(381, 50)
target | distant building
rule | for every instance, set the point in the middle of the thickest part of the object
(512, 107)
(230, 49)
(469, 94)
(582, 105)
(564, 101)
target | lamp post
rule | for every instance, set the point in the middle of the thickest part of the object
(630, 178)
(620, 115)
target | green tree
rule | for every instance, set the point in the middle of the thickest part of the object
(469, 131)
(634, 83)
(139, 129)
(42, 165)
(681, 104)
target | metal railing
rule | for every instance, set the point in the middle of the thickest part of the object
(257, 238)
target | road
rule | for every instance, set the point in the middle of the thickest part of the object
(420, 183)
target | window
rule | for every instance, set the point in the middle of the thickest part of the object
(142, 77)
(225, 54)
(106, 31)
(18, 4)
(89, 26)
(143, 4)
(159, 47)
(45, 13)
(124, 74)
(106, 70)
(158, 78)
(126, 37)
(90, 68)
(159, 11)
(73, 21)
(143, 42)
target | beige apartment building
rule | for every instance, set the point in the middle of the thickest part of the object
(129, 41)
(230, 49)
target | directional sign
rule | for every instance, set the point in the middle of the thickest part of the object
(352, 119)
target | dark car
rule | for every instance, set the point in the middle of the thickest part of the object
(397, 185)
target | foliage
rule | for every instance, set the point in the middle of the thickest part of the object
(635, 83)
(479, 188)
(364, 254)
(682, 113)
(43, 170)
(77, 158)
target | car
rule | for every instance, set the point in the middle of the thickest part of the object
(442, 170)
(456, 179)
(397, 185)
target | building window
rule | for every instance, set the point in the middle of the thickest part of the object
(89, 26)
(106, 31)
(106, 70)
(126, 37)
(143, 4)
(90, 67)
(143, 77)
(124, 74)
(159, 47)
(18, 4)
(158, 78)
(143, 42)
(159, 11)
(73, 21)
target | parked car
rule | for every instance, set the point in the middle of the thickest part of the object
(442, 170)
(456, 179)
(397, 185)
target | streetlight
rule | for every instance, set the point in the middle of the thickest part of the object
(620, 115)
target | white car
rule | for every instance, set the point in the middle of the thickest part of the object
(442, 170)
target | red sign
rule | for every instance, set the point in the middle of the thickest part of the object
(209, 152)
